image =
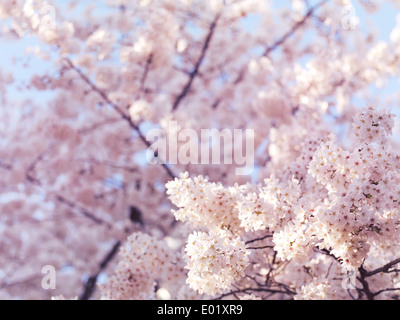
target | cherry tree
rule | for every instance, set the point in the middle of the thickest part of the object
(118, 215)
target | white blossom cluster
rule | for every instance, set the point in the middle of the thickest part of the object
(143, 261)
(344, 202)
(321, 289)
(203, 203)
(373, 126)
(215, 261)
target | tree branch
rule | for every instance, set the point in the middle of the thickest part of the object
(294, 28)
(5, 166)
(386, 290)
(263, 247)
(195, 72)
(365, 284)
(259, 239)
(31, 168)
(98, 125)
(109, 164)
(83, 211)
(122, 114)
(91, 282)
(145, 72)
(384, 268)
(282, 39)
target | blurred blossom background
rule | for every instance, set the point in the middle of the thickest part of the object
(91, 219)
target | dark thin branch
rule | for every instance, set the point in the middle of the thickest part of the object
(292, 31)
(255, 281)
(271, 269)
(81, 210)
(99, 92)
(60, 198)
(350, 294)
(263, 247)
(282, 39)
(195, 71)
(91, 282)
(20, 282)
(250, 290)
(5, 166)
(24, 281)
(235, 295)
(98, 125)
(328, 253)
(109, 164)
(394, 271)
(216, 103)
(122, 114)
(385, 290)
(31, 168)
(365, 274)
(145, 72)
(259, 239)
(384, 268)
(364, 283)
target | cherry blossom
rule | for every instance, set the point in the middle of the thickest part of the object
(82, 190)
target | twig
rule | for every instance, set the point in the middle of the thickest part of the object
(365, 284)
(145, 72)
(385, 290)
(248, 290)
(291, 32)
(259, 239)
(98, 125)
(91, 282)
(263, 247)
(31, 168)
(384, 268)
(122, 114)
(195, 71)
(83, 211)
